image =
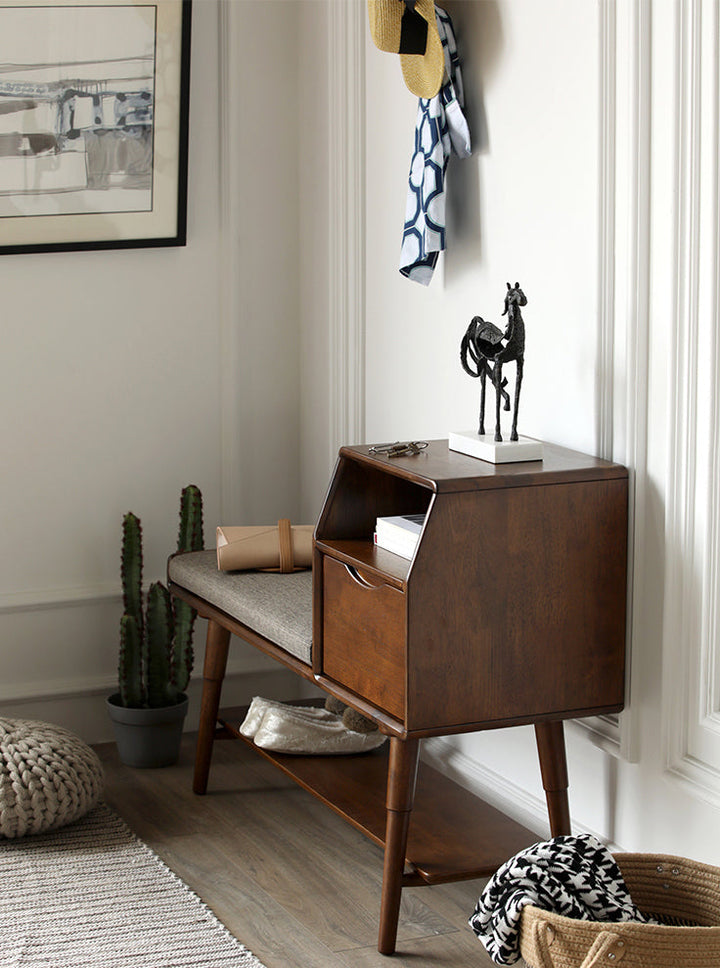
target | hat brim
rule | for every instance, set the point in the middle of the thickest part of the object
(423, 73)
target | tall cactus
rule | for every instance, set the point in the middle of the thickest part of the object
(131, 569)
(156, 654)
(190, 532)
(130, 664)
(190, 538)
(159, 643)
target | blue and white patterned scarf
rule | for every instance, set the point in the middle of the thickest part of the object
(441, 128)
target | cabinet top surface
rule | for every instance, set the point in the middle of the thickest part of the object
(442, 469)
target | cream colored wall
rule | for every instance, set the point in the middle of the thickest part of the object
(126, 374)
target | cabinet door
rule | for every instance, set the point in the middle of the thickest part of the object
(364, 636)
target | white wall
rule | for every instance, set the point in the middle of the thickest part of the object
(126, 374)
(522, 208)
(594, 183)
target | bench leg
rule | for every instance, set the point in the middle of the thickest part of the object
(216, 653)
(402, 773)
(553, 767)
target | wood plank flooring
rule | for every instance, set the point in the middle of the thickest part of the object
(290, 879)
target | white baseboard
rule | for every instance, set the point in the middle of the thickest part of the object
(83, 710)
(514, 801)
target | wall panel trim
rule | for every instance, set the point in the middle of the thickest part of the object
(691, 693)
(230, 281)
(624, 85)
(37, 599)
(346, 87)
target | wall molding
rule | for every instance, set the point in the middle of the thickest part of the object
(230, 282)
(346, 229)
(607, 118)
(58, 689)
(624, 88)
(38, 599)
(691, 691)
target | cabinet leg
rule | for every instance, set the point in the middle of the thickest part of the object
(216, 653)
(402, 773)
(553, 767)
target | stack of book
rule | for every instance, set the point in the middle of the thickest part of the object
(399, 533)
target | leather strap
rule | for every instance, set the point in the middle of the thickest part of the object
(286, 552)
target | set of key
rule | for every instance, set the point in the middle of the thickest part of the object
(409, 449)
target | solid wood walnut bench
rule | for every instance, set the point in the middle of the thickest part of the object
(511, 611)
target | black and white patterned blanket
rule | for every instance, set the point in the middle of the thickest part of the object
(573, 876)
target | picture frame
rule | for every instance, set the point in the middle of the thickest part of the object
(94, 113)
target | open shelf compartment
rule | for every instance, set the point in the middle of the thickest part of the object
(453, 835)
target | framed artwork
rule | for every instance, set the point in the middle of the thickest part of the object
(93, 124)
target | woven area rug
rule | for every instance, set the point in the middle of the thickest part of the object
(92, 895)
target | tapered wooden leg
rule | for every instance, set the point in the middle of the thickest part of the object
(553, 767)
(402, 773)
(216, 653)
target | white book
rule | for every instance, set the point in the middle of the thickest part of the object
(397, 547)
(402, 524)
(399, 533)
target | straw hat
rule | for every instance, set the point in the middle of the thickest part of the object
(423, 72)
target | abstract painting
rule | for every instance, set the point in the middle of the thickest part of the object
(93, 123)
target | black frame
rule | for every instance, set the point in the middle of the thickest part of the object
(178, 235)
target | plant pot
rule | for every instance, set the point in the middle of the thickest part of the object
(147, 737)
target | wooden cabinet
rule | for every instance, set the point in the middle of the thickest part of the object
(512, 609)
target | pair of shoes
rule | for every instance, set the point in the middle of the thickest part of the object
(350, 717)
(303, 730)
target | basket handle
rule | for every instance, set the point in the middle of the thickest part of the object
(543, 937)
(607, 949)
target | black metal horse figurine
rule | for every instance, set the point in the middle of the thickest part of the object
(485, 344)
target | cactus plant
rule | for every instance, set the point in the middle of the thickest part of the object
(156, 653)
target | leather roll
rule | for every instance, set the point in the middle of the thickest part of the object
(282, 547)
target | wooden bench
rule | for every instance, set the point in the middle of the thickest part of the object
(408, 644)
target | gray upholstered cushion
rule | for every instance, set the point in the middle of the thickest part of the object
(278, 607)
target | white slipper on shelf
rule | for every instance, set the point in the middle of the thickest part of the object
(304, 730)
(259, 706)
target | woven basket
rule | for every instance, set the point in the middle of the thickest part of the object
(682, 895)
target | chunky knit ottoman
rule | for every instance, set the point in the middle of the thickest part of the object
(48, 777)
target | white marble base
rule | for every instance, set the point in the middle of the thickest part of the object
(486, 448)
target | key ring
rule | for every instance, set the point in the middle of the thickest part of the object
(409, 449)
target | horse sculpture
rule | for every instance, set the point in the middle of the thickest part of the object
(488, 348)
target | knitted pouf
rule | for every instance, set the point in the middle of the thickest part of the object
(48, 777)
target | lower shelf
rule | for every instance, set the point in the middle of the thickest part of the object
(453, 834)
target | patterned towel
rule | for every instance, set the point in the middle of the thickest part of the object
(573, 876)
(441, 128)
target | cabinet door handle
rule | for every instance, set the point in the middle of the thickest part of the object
(361, 579)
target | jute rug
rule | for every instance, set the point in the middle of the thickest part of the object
(92, 895)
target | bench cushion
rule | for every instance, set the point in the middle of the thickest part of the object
(276, 606)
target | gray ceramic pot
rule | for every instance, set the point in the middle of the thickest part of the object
(147, 737)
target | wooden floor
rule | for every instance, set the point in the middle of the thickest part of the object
(295, 883)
